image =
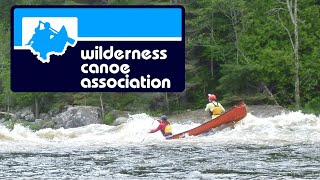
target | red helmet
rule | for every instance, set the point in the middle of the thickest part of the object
(211, 97)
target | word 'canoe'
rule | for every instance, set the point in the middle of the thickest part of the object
(237, 113)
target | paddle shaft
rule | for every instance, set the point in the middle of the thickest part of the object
(51, 28)
(151, 126)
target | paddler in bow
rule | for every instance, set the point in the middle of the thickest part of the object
(214, 107)
(164, 127)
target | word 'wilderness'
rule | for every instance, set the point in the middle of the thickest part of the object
(100, 53)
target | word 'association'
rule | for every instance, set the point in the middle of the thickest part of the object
(99, 53)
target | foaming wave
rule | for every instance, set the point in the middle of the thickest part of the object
(134, 130)
(293, 127)
(17, 134)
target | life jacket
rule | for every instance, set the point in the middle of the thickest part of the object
(217, 109)
(167, 130)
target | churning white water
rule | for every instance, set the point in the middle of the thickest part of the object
(283, 146)
(294, 127)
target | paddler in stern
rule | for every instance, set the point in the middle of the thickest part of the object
(164, 127)
(214, 107)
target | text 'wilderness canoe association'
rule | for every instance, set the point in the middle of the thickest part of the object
(126, 82)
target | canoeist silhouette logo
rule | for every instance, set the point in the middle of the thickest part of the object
(46, 40)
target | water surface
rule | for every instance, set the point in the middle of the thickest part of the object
(279, 147)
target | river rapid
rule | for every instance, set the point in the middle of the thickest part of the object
(285, 146)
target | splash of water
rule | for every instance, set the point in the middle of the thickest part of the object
(294, 127)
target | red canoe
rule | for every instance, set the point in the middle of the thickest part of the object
(235, 114)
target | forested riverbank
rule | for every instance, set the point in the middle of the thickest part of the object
(265, 52)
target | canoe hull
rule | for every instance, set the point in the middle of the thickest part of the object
(235, 114)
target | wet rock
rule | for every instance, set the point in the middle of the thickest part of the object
(25, 114)
(41, 123)
(2, 120)
(53, 113)
(120, 117)
(117, 113)
(120, 120)
(29, 118)
(262, 111)
(44, 116)
(78, 116)
(198, 116)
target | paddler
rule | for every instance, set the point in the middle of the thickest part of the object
(164, 127)
(214, 107)
(42, 36)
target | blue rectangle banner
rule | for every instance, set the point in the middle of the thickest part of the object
(97, 49)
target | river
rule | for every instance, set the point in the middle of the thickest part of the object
(285, 146)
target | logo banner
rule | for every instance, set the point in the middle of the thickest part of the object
(97, 49)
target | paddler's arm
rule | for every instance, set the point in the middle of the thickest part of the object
(223, 110)
(160, 127)
(207, 108)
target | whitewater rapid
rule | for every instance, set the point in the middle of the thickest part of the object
(293, 127)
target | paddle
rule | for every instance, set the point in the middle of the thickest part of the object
(151, 126)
